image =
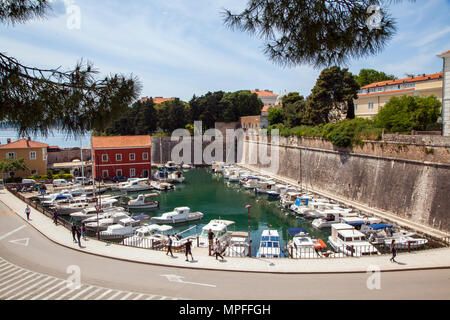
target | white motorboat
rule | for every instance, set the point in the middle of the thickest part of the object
(253, 183)
(329, 218)
(78, 204)
(187, 166)
(144, 201)
(266, 186)
(302, 246)
(269, 246)
(102, 224)
(405, 242)
(234, 177)
(119, 185)
(360, 220)
(124, 227)
(218, 167)
(49, 200)
(289, 198)
(176, 177)
(148, 236)
(106, 213)
(178, 215)
(171, 166)
(162, 186)
(220, 229)
(92, 212)
(346, 239)
(141, 184)
(238, 246)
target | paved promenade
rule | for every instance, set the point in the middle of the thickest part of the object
(427, 259)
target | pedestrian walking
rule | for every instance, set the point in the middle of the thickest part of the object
(74, 232)
(169, 246)
(55, 217)
(83, 231)
(188, 249)
(78, 236)
(393, 250)
(210, 240)
(27, 212)
(218, 249)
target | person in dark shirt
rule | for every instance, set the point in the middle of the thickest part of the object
(210, 240)
(188, 249)
(55, 216)
(169, 246)
(79, 236)
(74, 232)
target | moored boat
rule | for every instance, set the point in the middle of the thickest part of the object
(144, 201)
(269, 246)
(178, 215)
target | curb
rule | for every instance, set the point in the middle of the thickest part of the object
(220, 269)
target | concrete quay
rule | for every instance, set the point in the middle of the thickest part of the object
(426, 259)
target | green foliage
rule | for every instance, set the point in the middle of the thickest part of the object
(49, 174)
(368, 76)
(316, 32)
(275, 116)
(13, 165)
(331, 96)
(345, 133)
(173, 115)
(406, 113)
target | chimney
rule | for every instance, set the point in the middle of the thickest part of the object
(28, 141)
(9, 140)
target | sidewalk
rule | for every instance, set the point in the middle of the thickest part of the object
(427, 259)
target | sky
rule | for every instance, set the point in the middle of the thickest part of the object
(178, 48)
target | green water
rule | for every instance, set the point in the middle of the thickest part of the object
(217, 198)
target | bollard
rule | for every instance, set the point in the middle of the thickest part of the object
(409, 246)
(351, 249)
(198, 241)
(292, 255)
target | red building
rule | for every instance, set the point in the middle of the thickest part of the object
(128, 156)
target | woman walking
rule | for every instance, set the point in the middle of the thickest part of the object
(218, 249)
(169, 246)
(393, 250)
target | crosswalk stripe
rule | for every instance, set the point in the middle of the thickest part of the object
(66, 294)
(35, 277)
(48, 290)
(115, 295)
(92, 293)
(104, 294)
(3, 263)
(7, 270)
(47, 278)
(56, 292)
(13, 279)
(150, 297)
(163, 298)
(126, 296)
(80, 293)
(34, 285)
(138, 297)
(52, 281)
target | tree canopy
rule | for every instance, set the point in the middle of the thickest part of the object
(368, 76)
(316, 32)
(406, 113)
(36, 100)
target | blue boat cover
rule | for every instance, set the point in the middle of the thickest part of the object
(141, 217)
(294, 231)
(298, 201)
(379, 226)
(356, 223)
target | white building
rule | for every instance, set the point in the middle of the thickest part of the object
(446, 94)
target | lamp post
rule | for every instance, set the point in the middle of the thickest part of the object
(249, 238)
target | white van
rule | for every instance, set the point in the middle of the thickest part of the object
(25, 181)
(61, 183)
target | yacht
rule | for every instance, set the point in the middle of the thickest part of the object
(220, 229)
(269, 246)
(360, 220)
(176, 177)
(266, 186)
(238, 246)
(102, 224)
(178, 215)
(218, 167)
(124, 227)
(277, 191)
(148, 236)
(92, 212)
(144, 201)
(302, 246)
(171, 166)
(329, 218)
(289, 198)
(142, 184)
(346, 239)
(162, 186)
(253, 183)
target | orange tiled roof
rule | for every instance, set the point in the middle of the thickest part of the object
(432, 76)
(121, 141)
(157, 100)
(266, 108)
(264, 93)
(385, 92)
(24, 144)
(444, 53)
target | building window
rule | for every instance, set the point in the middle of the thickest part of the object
(33, 155)
(119, 172)
(356, 107)
(132, 156)
(370, 105)
(104, 157)
(118, 157)
(132, 172)
(145, 156)
(105, 173)
(145, 173)
(33, 172)
(11, 155)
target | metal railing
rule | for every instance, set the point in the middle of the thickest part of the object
(231, 251)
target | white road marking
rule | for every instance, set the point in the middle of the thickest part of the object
(52, 281)
(15, 278)
(48, 290)
(27, 289)
(126, 296)
(92, 293)
(34, 286)
(66, 294)
(175, 278)
(115, 295)
(55, 293)
(23, 242)
(150, 297)
(103, 294)
(36, 277)
(82, 292)
(6, 269)
(11, 285)
(12, 232)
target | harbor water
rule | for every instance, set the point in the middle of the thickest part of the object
(208, 193)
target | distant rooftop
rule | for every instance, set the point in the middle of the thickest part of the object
(24, 144)
(423, 77)
(121, 141)
(156, 100)
(264, 93)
